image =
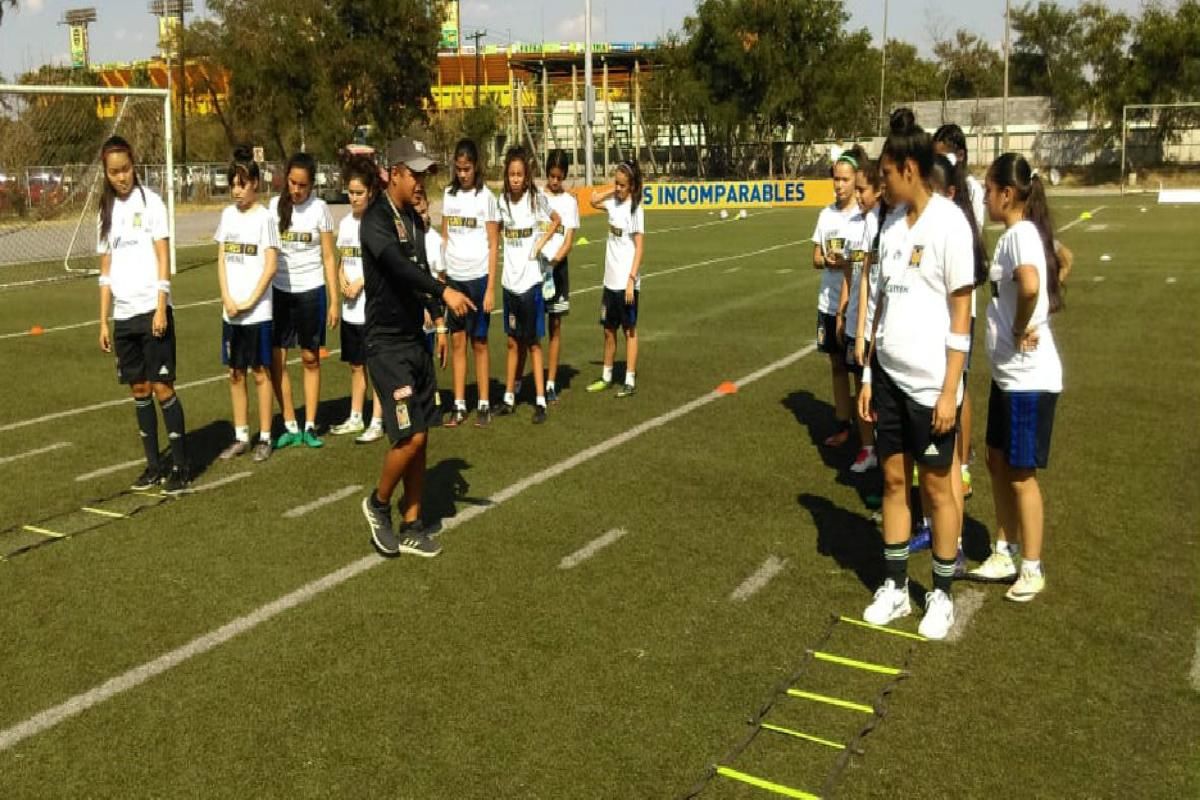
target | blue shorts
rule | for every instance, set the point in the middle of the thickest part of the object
(246, 346)
(477, 322)
(615, 312)
(1019, 425)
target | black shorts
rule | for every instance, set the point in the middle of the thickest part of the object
(851, 364)
(560, 303)
(970, 350)
(354, 343)
(615, 312)
(477, 322)
(902, 426)
(1019, 425)
(525, 315)
(827, 333)
(246, 346)
(299, 319)
(142, 356)
(402, 374)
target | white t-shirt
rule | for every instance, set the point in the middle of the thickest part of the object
(976, 191)
(349, 249)
(623, 223)
(860, 241)
(433, 250)
(834, 232)
(568, 215)
(1041, 369)
(466, 214)
(922, 266)
(300, 266)
(137, 223)
(521, 225)
(245, 237)
(873, 275)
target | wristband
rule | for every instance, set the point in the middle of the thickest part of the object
(105, 280)
(866, 376)
(958, 341)
(164, 286)
(441, 329)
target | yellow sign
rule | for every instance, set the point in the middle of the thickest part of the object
(737, 194)
(79, 46)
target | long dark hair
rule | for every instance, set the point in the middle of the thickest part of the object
(114, 144)
(243, 166)
(909, 140)
(466, 148)
(558, 159)
(952, 135)
(1012, 171)
(530, 193)
(363, 169)
(299, 161)
(949, 178)
(634, 173)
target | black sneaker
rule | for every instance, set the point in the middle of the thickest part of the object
(178, 482)
(150, 477)
(506, 410)
(416, 541)
(457, 417)
(551, 395)
(483, 417)
(539, 415)
(383, 537)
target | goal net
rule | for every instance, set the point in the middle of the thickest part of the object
(1160, 149)
(51, 178)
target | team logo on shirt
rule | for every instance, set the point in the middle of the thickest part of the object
(615, 231)
(137, 220)
(858, 257)
(835, 245)
(517, 235)
(914, 260)
(297, 237)
(350, 252)
(462, 222)
(239, 249)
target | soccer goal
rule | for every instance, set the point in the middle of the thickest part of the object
(1160, 150)
(51, 178)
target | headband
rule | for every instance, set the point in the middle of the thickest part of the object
(849, 159)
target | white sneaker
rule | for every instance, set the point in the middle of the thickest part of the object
(891, 602)
(939, 615)
(866, 460)
(1027, 587)
(373, 433)
(998, 567)
(351, 425)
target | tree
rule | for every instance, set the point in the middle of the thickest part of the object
(1048, 55)
(11, 4)
(969, 67)
(909, 77)
(1164, 67)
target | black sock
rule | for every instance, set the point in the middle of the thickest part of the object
(147, 421)
(377, 503)
(943, 574)
(172, 412)
(895, 559)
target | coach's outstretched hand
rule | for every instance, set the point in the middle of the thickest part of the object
(457, 302)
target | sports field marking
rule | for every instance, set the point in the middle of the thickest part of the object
(591, 548)
(96, 322)
(784, 271)
(732, 270)
(1194, 674)
(1098, 279)
(340, 494)
(31, 453)
(1103, 226)
(49, 718)
(761, 577)
(966, 605)
(217, 484)
(43, 531)
(96, 473)
(1084, 217)
(1170, 280)
(71, 412)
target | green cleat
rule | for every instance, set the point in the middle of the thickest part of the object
(598, 386)
(288, 439)
(310, 439)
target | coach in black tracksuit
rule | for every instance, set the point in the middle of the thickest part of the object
(399, 288)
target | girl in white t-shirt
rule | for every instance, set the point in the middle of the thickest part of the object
(1026, 370)
(247, 247)
(914, 384)
(471, 232)
(361, 179)
(527, 223)
(864, 286)
(832, 250)
(135, 286)
(306, 299)
(622, 272)
(559, 248)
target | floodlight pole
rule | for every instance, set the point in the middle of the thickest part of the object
(1004, 108)
(883, 64)
(589, 97)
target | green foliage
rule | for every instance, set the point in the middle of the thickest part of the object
(969, 67)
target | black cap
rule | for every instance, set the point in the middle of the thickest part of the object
(409, 152)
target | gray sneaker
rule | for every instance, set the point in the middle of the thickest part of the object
(263, 450)
(383, 536)
(415, 540)
(234, 450)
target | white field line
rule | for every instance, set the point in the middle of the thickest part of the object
(732, 270)
(1194, 674)
(71, 412)
(217, 484)
(966, 604)
(591, 548)
(340, 494)
(1080, 219)
(761, 577)
(96, 322)
(31, 453)
(131, 679)
(96, 473)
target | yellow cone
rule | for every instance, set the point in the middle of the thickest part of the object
(582, 241)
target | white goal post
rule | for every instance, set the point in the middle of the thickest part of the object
(1142, 120)
(51, 178)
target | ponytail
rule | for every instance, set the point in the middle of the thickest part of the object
(114, 144)
(302, 161)
(908, 140)
(634, 173)
(947, 175)
(1012, 171)
(243, 166)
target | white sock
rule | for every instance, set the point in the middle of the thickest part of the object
(510, 398)
(356, 416)
(629, 379)
(550, 387)
(484, 405)
(965, 469)
(1032, 565)
(376, 422)
(1005, 547)
(869, 449)
(242, 433)
(459, 405)
(541, 401)
(606, 373)
(264, 436)
(310, 426)
(291, 427)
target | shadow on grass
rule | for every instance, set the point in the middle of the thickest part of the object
(850, 539)
(205, 444)
(445, 488)
(818, 417)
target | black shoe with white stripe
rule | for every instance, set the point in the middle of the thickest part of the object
(416, 541)
(383, 537)
(150, 477)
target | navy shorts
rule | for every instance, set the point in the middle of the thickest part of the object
(1019, 425)
(903, 426)
(525, 315)
(142, 356)
(827, 333)
(615, 312)
(560, 303)
(851, 364)
(299, 319)
(246, 346)
(354, 343)
(477, 322)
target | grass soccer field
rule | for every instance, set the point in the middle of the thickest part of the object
(621, 588)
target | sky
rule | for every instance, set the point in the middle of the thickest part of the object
(126, 31)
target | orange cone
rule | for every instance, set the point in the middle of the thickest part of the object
(323, 352)
(36, 330)
(727, 387)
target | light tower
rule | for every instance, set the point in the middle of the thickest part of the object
(77, 20)
(173, 10)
